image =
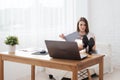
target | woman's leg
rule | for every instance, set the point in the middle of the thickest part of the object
(85, 41)
(88, 44)
(91, 43)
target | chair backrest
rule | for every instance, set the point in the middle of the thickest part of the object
(104, 48)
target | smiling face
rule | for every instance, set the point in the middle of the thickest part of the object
(82, 26)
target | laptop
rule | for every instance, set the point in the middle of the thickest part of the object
(64, 50)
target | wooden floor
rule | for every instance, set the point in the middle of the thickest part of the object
(115, 75)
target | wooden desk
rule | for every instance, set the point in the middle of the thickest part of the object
(46, 61)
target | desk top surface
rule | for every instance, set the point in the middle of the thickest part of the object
(23, 54)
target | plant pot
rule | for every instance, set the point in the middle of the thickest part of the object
(12, 48)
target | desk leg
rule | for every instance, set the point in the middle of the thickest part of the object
(32, 72)
(75, 74)
(101, 70)
(1, 69)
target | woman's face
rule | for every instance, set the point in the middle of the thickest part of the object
(82, 26)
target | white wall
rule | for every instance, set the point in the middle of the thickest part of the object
(104, 19)
(32, 29)
(81, 9)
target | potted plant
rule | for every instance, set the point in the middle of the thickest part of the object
(12, 41)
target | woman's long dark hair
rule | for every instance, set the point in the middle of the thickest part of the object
(86, 23)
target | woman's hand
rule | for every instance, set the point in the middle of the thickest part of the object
(62, 36)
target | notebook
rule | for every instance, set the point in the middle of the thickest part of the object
(72, 36)
(64, 50)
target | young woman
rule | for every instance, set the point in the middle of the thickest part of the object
(84, 36)
(84, 39)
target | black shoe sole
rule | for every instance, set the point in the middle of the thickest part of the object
(64, 78)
